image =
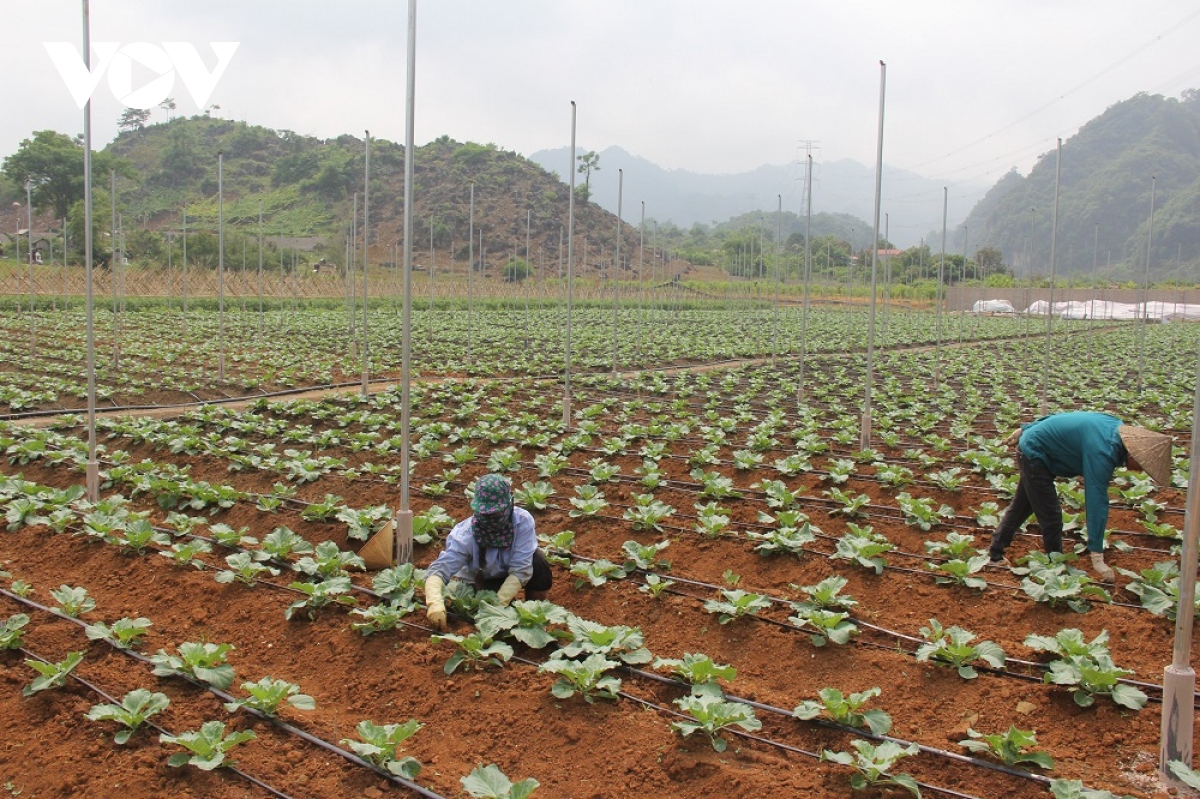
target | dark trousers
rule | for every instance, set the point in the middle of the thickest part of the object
(541, 580)
(1035, 495)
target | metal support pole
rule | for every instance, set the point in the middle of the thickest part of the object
(566, 406)
(617, 264)
(1146, 292)
(220, 266)
(1050, 309)
(92, 470)
(865, 438)
(404, 517)
(366, 363)
(1179, 680)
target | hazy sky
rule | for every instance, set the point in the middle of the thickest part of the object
(973, 87)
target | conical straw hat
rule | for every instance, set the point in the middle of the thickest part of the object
(379, 551)
(1150, 449)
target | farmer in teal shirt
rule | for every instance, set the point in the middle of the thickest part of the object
(1076, 444)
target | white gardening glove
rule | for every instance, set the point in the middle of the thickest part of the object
(1102, 569)
(508, 589)
(435, 608)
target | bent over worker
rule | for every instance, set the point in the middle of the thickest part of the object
(494, 549)
(1076, 444)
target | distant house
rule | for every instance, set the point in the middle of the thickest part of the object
(324, 267)
(887, 253)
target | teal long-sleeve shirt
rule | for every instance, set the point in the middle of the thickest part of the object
(1079, 444)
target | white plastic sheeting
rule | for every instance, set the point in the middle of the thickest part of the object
(993, 306)
(1100, 309)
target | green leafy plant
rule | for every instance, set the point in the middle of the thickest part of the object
(961, 572)
(318, 595)
(646, 512)
(952, 646)
(846, 709)
(873, 764)
(626, 644)
(1074, 789)
(245, 568)
(534, 495)
(735, 604)
(282, 542)
(489, 782)
(588, 677)
(123, 634)
(379, 744)
(826, 625)
(597, 572)
(921, 513)
(528, 621)
(268, 693)
(204, 662)
(135, 707)
(696, 669)
(712, 715)
(1010, 748)
(644, 556)
(206, 747)
(590, 501)
(655, 585)
(862, 545)
(477, 649)
(13, 630)
(186, 553)
(51, 675)
(1051, 580)
(73, 600)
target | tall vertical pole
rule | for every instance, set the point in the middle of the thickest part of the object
(1179, 681)
(92, 470)
(260, 271)
(528, 269)
(366, 363)
(937, 294)
(351, 266)
(566, 406)
(807, 275)
(185, 274)
(29, 247)
(404, 517)
(221, 265)
(432, 272)
(865, 438)
(1146, 292)
(641, 281)
(778, 276)
(1050, 309)
(114, 265)
(470, 272)
(617, 264)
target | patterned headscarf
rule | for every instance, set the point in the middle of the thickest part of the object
(493, 505)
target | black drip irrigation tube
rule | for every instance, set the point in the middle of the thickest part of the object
(225, 697)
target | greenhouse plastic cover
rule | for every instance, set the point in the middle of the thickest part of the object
(993, 306)
(1100, 309)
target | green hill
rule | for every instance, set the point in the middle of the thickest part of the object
(1104, 196)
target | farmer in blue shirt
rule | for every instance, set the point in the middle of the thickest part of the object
(1076, 444)
(494, 549)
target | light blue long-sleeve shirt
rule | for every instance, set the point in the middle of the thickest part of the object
(1079, 444)
(461, 557)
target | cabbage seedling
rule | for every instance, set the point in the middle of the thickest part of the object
(53, 675)
(489, 782)
(872, 764)
(267, 694)
(1010, 748)
(378, 745)
(477, 649)
(736, 604)
(588, 677)
(845, 709)
(952, 646)
(136, 706)
(711, 714)
(205, 747)
(204, 662)
(123, 634)
(696, 669)
(12, 631)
